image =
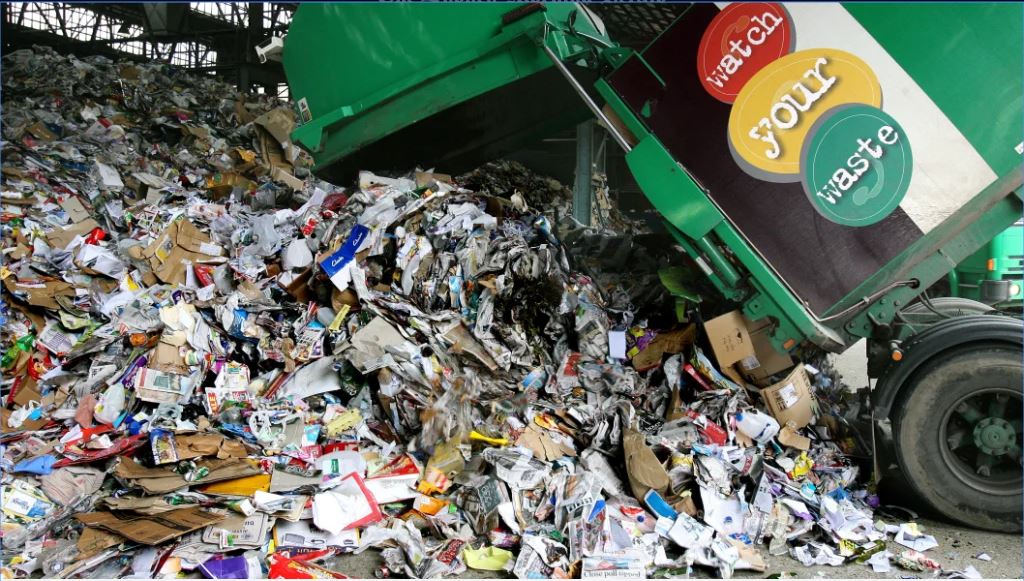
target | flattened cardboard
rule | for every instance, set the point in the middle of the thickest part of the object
(644, 469)
(788, 436)
(665, 342)
(142, 505)
(424, 179)
(152, 530)
(791, 400)
(41, 131)
(204, 444)
(168, 359)
(94, 540)
(27, 425)
(237, 531)
(221, 185)
(27, 391)
(61, 237)
(76, 211)
(729, 339)
(285, 177)
(163, 480)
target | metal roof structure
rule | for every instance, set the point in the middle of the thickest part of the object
(218, 37)
(211, 37)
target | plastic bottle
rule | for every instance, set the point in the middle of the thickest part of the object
(758, 426)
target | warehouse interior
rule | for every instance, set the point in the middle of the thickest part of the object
(708, 290)
(219, 38)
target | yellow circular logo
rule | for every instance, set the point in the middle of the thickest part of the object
(777, 107)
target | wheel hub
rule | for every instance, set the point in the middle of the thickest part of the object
(994, 436)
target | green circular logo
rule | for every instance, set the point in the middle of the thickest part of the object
(856, 165)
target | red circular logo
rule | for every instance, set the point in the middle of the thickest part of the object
(740, 41)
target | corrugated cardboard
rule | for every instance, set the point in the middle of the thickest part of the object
(163, 480)
(167, 358)
(665, 342)
(40, 294)
(729, 339)
(768, 359)
(788, 436)
(792, 399)
(152, 530)
(240, 531)
(643, 467)
(286, 178)
(222, 184)
(279, 123)
(61, 237)
(205, 444)
(178, 242)
(142, 505)
(75, 209)
(93, 541)
(28, 425)
(41, 131)
(424, 178)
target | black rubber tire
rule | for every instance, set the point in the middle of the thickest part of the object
(917, 420)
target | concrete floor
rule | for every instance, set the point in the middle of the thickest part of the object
(958, 548)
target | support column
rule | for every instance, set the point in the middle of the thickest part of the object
(583, 191)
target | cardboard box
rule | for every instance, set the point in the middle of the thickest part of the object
(769, 360)
(743, 347)
(792, 399)
(730, 339)
(279, 123)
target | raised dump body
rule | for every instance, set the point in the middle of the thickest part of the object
(810, 156)
(822, 163)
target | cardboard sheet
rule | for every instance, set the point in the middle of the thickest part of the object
(152, 530)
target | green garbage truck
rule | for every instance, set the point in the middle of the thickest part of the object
(821, 163)
(994, 274)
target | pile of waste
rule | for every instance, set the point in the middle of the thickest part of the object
(215, 364)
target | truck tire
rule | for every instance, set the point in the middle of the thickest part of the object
(958, 435)
(919, 313)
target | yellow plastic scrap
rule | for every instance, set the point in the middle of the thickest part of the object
(802, 466)
(346, 420)
(546, 421)
(477, 436)
(847, 548)
(487, 558)
(339, 318)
